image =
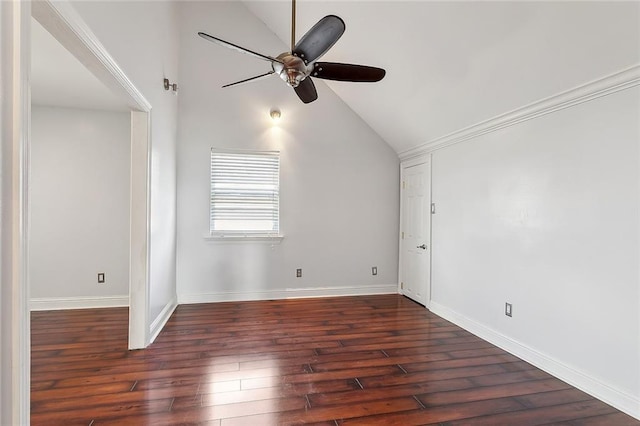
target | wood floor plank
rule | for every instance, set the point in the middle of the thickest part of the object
(317, 361)
(326, 414)
(38, 395)
(541, 416)
(546, 399)
(439, 415)
(84, 400)
(381, 360)
(435, 375)
(491, 392)
(86, 415)
(617, 419)
(370, 360)
(355, 396)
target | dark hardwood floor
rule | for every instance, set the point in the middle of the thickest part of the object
(375, 360)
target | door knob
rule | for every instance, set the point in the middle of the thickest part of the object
(423, 247)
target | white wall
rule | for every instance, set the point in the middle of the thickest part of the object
(339, 180)
(143, 39)
(545, 215)
(79, 195)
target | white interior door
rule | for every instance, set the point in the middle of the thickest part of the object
(415, 267)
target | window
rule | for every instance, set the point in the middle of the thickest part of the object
(245, 187)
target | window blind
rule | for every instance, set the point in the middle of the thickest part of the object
(245, 187)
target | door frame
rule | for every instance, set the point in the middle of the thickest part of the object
(415, 161)
(64, 23)
(15, 110)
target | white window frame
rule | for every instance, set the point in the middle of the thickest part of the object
(244, 235)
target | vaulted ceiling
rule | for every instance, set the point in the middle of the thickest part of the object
(449, 64)
(452, 64)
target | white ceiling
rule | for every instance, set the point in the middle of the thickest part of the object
(449, 64)
(453, 64)
(59, 79)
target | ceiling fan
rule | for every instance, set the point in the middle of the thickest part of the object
(297, 66)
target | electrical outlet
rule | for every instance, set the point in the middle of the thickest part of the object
(374, 270)
(298, 273)
(100, 277)
(508, 309)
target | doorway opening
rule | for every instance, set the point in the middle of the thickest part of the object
(79, 184)
(63, 23)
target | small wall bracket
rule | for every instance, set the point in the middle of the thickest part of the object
(170, 86)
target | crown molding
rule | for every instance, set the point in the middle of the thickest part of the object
(621, 80)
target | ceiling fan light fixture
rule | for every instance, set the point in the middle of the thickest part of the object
(292, 69)
(292, 77)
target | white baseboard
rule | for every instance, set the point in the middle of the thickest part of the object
(59, 303)
(158, 324)
(621, 400)
(288, 293)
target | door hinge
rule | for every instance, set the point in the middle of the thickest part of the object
(403, 184)
(401, 285)
(433, 208)
(403, 235)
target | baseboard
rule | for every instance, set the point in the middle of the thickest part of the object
(59, 303)
(606, 393)
(288, 293)
(158, 324)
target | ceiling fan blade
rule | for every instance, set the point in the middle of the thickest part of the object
(237, 48)
(250, 79)
(347, 72)
(319, 38)
(306, 91)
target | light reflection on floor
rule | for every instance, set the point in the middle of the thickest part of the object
(228, 398)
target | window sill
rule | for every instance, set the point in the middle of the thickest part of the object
(273, 239)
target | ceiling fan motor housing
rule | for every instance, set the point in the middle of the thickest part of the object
(293, 69)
